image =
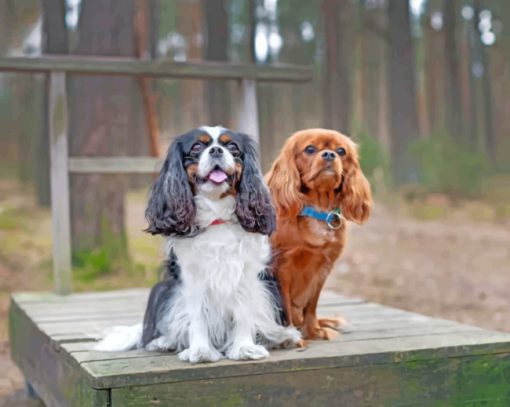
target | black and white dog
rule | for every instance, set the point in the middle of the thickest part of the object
(217, 299)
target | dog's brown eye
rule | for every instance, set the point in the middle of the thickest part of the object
(232, 147)
(197, 148)
(341, 151)
(310, 150)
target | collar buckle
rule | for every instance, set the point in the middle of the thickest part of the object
(334, 219)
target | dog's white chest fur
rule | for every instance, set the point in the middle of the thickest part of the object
(223, 256)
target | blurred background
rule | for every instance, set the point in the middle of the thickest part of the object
(422, 85)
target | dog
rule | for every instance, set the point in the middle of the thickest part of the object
(216, 299)
(316, 183)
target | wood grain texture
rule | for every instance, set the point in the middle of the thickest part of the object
(156, 68)
(87, 297)
(115, 165)
(56, 378)
(384, 357)
(440, 382)
(248, 111)
(167, 368)
(59, 176)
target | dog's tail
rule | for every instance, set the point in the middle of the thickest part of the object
(120, 338)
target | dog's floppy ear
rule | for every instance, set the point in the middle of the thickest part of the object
(284, 182)
(356, 194)
(254, 207)
(171, 208)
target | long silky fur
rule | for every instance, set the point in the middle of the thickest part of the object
(161, 294)
(254, 206)
(171, 209)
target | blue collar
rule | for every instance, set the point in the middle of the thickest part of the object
(333, 218)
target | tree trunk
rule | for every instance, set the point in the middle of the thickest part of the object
(6, 23)
(189, 24)
(337, 89)
(55, 42)
(100, 121)
(402, 94)
(143, 21)
(465, 81)
(500, 75)
(217, 37)
(434, 71)
(360, 70)
(482, 60)
(472, 48)
(451, 73)
(144, 134)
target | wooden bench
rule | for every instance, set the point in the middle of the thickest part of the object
(385, 357)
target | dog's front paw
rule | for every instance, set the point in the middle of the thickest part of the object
(203, 354)
(161, 344)
(325, 333)
(333, 323)
(294, 336)
(247, 352)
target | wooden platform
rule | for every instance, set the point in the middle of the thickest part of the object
(386, 357)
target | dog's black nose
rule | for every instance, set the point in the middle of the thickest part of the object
(328, 155)
(216, 152)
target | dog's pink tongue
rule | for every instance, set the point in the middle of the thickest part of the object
(217, 176)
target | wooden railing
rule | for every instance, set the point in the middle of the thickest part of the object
(57, 67)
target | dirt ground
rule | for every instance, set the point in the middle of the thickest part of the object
(452, 267)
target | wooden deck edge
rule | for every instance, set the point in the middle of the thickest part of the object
(267, 367)
(469, 380)
(52, 372)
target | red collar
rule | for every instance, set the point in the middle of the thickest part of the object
(217, 222)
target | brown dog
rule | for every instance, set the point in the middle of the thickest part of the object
(316, 183)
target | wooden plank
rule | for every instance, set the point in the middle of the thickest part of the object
(97, 314)
(86, 308)
(45, 300)
(81, 311)
(47, 297)
(440, 382)
(115, 165)
(167, 368)
(83, 351)
(59, 176)
(357, 315)
(56, 378)
(65, 333)
(156, 68)
(248, 112)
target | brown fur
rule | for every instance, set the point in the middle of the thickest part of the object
(205, 138)
(305, 248)
(225, 139)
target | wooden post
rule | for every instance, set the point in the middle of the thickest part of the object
(59, 175)
(248, 113)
